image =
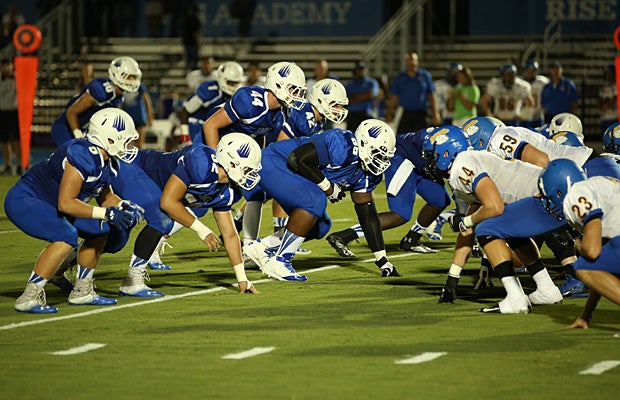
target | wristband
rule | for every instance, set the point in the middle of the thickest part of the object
(77, 133)
(201, 229)
(469, 221)
(324, 185)
(240, 273)
(98, 213)
(184, 129)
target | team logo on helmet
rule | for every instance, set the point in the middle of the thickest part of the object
(244, 151)
(374, 131)
(327, 89)
(616, 132)
(119, 123)
(284, 71)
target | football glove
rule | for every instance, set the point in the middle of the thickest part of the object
(454, 221)
(337, 194)
(484, 279)
(119, 218)
(135, 210)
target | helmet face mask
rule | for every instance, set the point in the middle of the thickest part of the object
(288, 83)
(240, 157)
(611, 139)
(229, 77)
(113, 130)
(566, 122)
(376, 145)
(555, 181)
(125, 73)
(329, 97)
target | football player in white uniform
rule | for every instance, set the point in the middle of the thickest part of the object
(533, 116)
(590, 206)
(509, 94)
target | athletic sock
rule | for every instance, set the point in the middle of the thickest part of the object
(83, 272)
(38, 279)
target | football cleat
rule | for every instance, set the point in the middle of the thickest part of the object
(573, 288)
(60, 279)
(33, 301)
(258, 252)
(155, 261)
(550, 296)
(303, 252)
(521, 306)
(433, 232)
(414, 246)
(133, 284)
(340, 246)
(281, 270)
(83, 293)
(447, 295)
(388, 272)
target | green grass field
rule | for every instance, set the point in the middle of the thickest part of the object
(343, 334)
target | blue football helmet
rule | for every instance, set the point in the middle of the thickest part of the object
(543, 130)
(555, 181)
(530, 64)
(567, 138)
(611, 139)
(441, 146)
(480, 129)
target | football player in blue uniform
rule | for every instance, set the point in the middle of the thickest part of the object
(50, 202)
(258, 112)
(590, 206)
(302, 174)
(405, 177)
(124, 75)
(208, 96)
(180, 187)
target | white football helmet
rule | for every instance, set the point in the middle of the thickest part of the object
(288, 83)
(229, 77)
(125, 73)
(329, 97)
(376, 143)
(566, 122)
(240, 157)
(113, 130)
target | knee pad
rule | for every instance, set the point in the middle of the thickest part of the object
(485, 239)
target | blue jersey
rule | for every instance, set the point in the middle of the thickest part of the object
(197, 167)
(338, 159)
(249, 110)
(210, 97)
(102, 90)
(302, 122)
(44, 178)
(409, 146)
(412, 91)
(359, 86)
(135, 106)
(558, 98)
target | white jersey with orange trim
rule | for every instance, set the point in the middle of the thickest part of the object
(595, 197)
(514, 179)
(535, 113)
(508, 102)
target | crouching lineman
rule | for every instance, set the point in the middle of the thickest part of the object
(302, 173)
(178, 188)
(488, 183)
(590, 206)
(50, 202)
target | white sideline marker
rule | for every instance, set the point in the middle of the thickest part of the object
(421, 358)
(600, 367)
(248, 353)
(79, 349)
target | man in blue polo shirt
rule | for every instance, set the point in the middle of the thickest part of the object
(560, 95)
(414, 91)
(362, 92)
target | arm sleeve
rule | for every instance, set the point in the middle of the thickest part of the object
(369, 220)
(304, 161)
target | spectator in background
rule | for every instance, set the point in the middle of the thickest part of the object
(204, 73)
(321, 71)
(244, 11)
(508, 94)
(10, 21)
(464, 97)
(533, 116)
(444, 90)
(255, 75)
(87, 74)
(139, 106)
(191, 38)
(9, 126)
(560, 95)
(362, 91)
(608, 99)
(414, 91)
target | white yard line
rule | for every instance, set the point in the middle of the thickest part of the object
(600, 367)
(79, 349)
(248, 353)
(10, 231)
(421, 358)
